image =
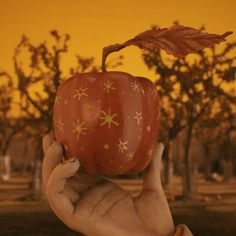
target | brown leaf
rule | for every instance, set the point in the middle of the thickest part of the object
(177, 40)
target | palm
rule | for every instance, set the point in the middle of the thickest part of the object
(153, 203)
(96, 206)
(99, 204)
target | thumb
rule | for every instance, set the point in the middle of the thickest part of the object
(152, 178)
(57, 198)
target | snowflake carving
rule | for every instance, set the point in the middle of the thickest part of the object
(78, 128)
(87, 106)
(108, 118)
(108, 86)
(150, 152)
(158, 112)
(80, 92)
(148, 128)
(130, 156)
(106, 146)
(60, 125)
(57, 99)
(135, 86)
(122, 145)
(138, 117)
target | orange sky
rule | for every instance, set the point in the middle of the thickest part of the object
(95, 24)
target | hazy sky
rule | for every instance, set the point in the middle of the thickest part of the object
(95, 24)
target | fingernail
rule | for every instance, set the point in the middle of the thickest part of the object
(72, 160)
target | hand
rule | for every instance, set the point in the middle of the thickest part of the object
(95, 206)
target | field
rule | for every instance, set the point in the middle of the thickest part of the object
(32, 218)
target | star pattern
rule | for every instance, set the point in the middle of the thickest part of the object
(148, 128)
(78, 128)
(122, 145)
(108, 86)
(87, 106)
(135, 86)
(158, 112)
(80, 92)
(57, 99)
(130, 156)
(108, 118)
(60, 125)
(150, 152)
(138, 116)
(106, 146)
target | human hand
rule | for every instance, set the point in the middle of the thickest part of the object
(95, 206)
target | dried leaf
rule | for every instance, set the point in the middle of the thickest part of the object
(178, 40)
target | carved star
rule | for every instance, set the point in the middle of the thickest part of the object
(158, 112)
(80, 92)
(148, 128)
(106, 146)
(122, 145)
(130, 156)
(108, 86)
(57, 99)
(108, 119)
(138, 116)
(135, 86)
(150, 152)
(78, 128)
(87, 106)
(60, 125)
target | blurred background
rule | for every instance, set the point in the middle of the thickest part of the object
(43, 43)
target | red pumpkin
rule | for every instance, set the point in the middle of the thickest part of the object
(108, 120)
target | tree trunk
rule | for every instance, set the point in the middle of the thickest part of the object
(1, 165)
(228, 169)
(169, 167)
(37, 180)
(166, 165)
(207, 164)
(24, 161)
(37, 176)
(187, 183)
(6, 167)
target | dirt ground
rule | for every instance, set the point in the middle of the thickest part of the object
(30, 218)
(36, 219)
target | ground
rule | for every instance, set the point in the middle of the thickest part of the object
(213, 216)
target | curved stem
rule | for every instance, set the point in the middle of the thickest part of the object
(107, 50)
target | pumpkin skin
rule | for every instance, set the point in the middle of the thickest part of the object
(108, 120)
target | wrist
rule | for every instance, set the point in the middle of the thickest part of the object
(145, 232)
(159, 234)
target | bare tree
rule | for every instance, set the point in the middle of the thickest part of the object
(9, 126)
(38, 77)
(190, 88)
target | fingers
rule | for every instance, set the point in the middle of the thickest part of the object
(83, 181)
(71, 194)
(51, 159)
(47, 141)
(152, 179)
(57, 199)
(61, 173)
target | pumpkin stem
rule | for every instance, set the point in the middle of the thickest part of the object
(107, 50)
